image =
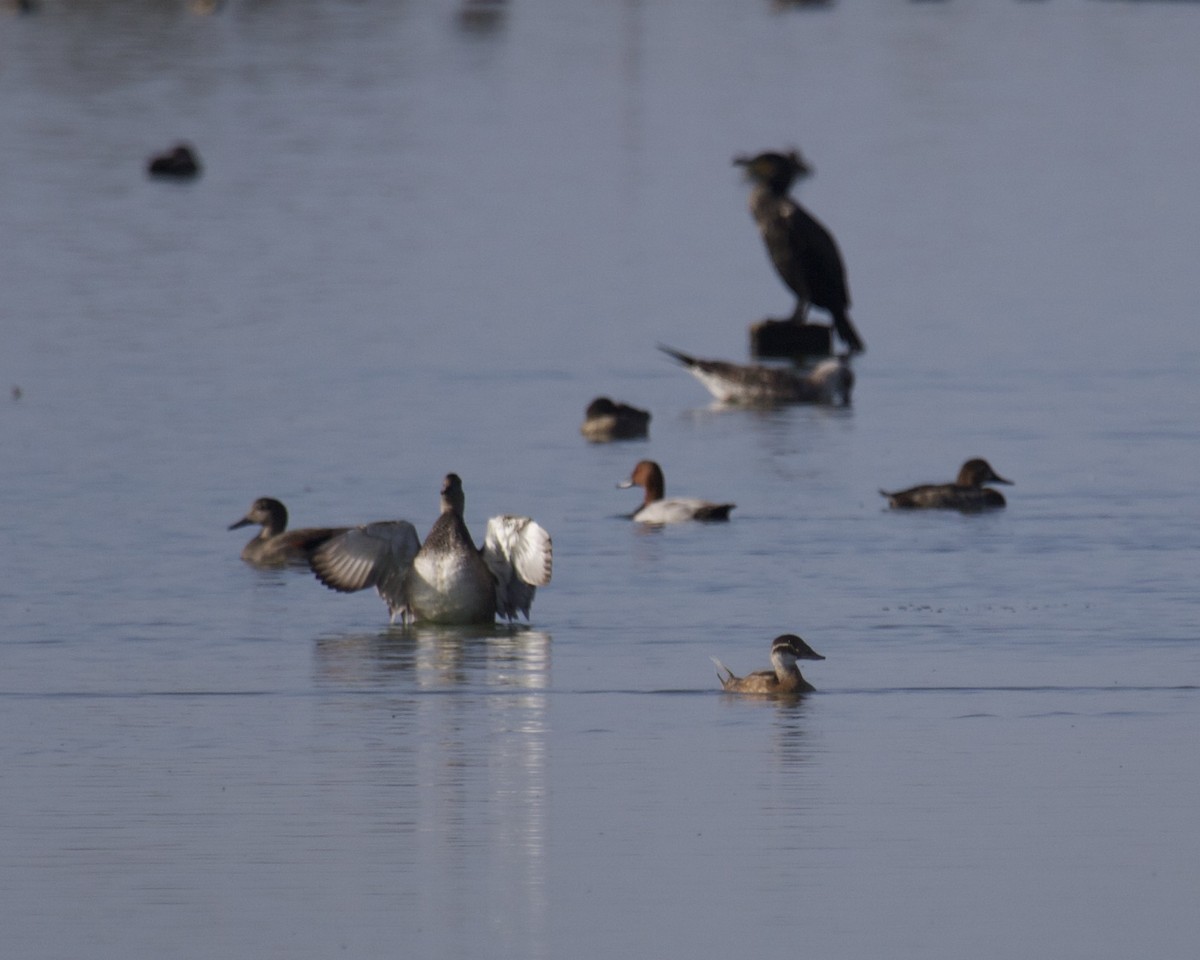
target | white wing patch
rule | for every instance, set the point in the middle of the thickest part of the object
(520, 556)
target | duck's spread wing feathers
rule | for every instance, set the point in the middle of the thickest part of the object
(375, 555)
(520, 556)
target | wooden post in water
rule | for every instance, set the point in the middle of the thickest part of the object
(789, 340)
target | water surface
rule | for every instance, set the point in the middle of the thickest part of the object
(423, 243)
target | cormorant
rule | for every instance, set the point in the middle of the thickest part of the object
(802, 250)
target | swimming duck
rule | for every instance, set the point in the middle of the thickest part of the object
(605, 420)
(784, 679)
(180, 162)
(830, 382)
(447, 579)
(967, 493)
(804, 253)
(275, 545)
(656, 509)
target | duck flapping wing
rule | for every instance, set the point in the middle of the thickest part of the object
(374, 555)
(520, 556)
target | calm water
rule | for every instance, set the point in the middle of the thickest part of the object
(424, 243)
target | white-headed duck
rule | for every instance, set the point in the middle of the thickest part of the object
(785, 678)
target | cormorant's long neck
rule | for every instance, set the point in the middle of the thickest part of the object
(766, 201)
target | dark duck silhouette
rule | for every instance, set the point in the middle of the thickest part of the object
(802, 250)
(967, 493)
(180, 162)
(606, 420)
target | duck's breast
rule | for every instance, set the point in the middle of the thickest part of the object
(451, 587)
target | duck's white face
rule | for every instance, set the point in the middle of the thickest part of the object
(783, 657)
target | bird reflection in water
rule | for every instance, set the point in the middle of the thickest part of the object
(443, 731)
(435, 657)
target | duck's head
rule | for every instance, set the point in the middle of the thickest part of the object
(976, 472)
(601, 407)
(265, 511)
(791, 648)
(646, 474)
(453, 498)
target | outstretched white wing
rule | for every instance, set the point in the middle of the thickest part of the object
(375, 555)
(520, 556)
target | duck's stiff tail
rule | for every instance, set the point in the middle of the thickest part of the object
(894, 499)
(721, 667)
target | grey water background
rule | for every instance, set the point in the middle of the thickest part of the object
(422, 242)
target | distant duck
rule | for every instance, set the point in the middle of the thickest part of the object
(180, 162)
(829, 382)
(657, 509)
(804, 253)
(605, 420)
(482, 14)
(785, 678)
(275, 545)
(967, 494)
(448, 579)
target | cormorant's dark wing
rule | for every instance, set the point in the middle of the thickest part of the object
(816, 252)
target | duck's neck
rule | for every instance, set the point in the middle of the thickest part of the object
(454, 502)
(785, 667)
(655, 488)
(764, 200)
(274, 524)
